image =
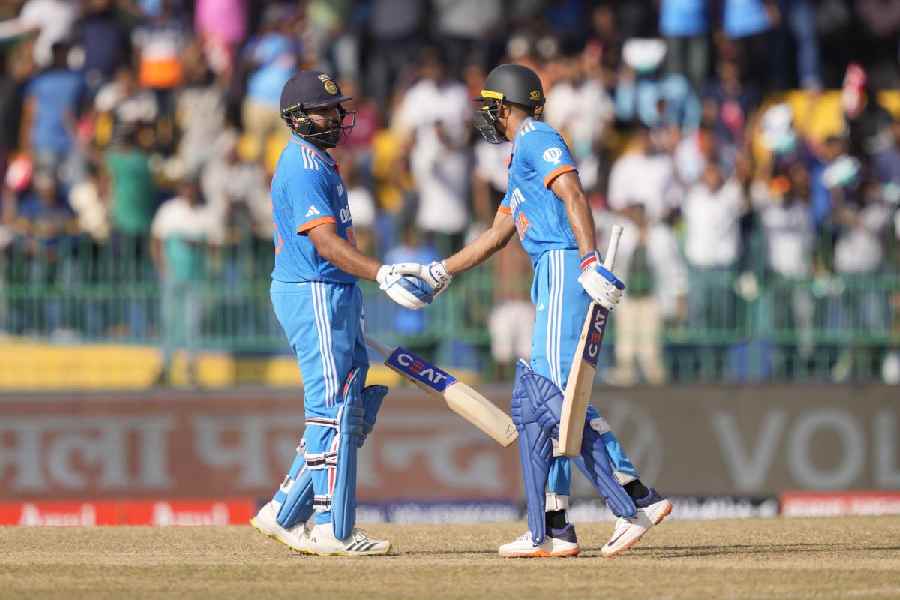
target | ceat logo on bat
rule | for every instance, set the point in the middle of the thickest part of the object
(420, 369)
(595, 335)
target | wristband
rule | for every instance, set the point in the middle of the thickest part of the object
(589, 260)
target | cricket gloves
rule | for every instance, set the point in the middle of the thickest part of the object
(435, 274)
(407, 290)
(602, 285)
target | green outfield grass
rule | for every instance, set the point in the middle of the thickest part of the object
(855, 558)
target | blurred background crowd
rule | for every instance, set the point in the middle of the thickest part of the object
(751, 148)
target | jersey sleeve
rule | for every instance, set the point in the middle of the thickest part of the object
(548, 154)
(504, 207)
(309, 202)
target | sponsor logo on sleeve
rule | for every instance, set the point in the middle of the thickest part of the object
(312, 212)
(553, 155)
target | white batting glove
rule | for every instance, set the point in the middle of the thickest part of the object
(435, 274)
(602, 285)
(409, 291)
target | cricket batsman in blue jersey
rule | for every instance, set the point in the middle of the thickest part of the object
(546, 206)
(319, 306)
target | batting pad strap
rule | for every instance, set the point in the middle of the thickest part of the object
(321, 460)
(322, 503)
(322, 422)
(556, 502)
(599, 425)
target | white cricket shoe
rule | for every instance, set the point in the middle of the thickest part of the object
(323, 543)
(657, 511)
(266, 522)
(563, 543)
(627, 533)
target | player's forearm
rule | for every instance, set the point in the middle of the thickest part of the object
(582, 222)
(343, 254)
(477, 252)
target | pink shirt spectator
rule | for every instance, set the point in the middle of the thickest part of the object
(225, 20)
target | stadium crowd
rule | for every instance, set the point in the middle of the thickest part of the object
(138, 137)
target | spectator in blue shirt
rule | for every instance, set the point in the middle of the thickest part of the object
(685, 26)
(748, 23)
(270, 60)
(52, 103)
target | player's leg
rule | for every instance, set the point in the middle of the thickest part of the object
(600, 440)
(284, 517)
(349, 406)
(323, 325)
(546, 294)
(536, 409)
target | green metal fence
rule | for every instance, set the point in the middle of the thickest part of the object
(745, 326)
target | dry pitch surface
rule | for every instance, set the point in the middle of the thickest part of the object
(853, 558)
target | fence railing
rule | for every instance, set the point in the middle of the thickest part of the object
(743, 326)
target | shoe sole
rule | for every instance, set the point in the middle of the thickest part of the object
(621, 549)
(344, 553)
(666, 511)
(570, 553)
(274, 536)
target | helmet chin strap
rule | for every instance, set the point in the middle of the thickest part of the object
(323, 137)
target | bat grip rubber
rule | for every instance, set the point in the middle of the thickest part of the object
(613, 248)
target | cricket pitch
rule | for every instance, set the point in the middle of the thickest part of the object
(833, 558)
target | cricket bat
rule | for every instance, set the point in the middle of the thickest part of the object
(577, 395)
(460, 398)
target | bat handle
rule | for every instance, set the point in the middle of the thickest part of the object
(377, 347)
(613, 247)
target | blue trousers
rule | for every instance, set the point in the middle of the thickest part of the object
(562, 305)
(324, 325)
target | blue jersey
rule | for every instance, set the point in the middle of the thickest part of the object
(539, 156)
(307, 191)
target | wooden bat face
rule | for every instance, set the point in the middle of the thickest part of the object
(460, 398)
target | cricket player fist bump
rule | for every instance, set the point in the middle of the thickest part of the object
(434, 274)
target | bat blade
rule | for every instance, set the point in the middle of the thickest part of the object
(577, 395)
(462, 399)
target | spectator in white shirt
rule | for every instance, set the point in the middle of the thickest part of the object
(651, 264)
(789, 230)
(52, 20)
(712, 211)
(180, 233)
(862, 308)
(579, 107)
(645, 175)
(237, 190)
(433, 118)
(859, 257)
